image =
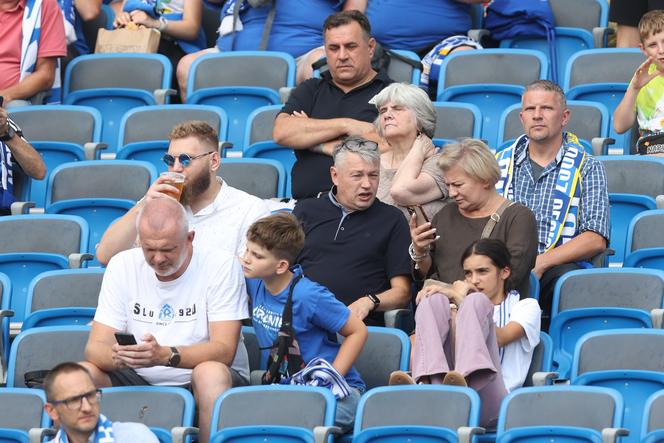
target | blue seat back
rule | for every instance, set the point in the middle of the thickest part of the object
(22, 409)
(624, 207)
(276, 152)
(652, 429)
(568, 42)
(151, 152)
(262, 177)
(645, 231)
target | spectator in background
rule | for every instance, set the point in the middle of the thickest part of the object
(182, 303)
(548, 171)
(219, 213)
(295, 29)
(32, 38)
(627, 13)
(321, 111)
(643, 99)
(471, 173)
(355, 245)
(15, 150)
(409, 175)
(179, 22)
(418, 26)
(72, 402)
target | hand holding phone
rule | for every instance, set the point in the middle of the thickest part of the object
(125, 339)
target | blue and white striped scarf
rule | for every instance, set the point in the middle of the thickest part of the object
(319, 372)
(31, 29)
(103, 434)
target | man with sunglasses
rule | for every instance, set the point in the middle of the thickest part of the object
(356, 245)
(219, 213)
(72, 402)
(321, 111)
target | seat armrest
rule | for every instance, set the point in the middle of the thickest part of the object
(600, 34)
(40, 98)
(478, 34)
(659, 201)
(256, 377)
(610, 435)
(20, 208)
(657, 317)
(77, 259)
(601, 259)
(322, 433)
(224, 146)
(92, 150)
(37, 435)
(6, 313)
(284, 93)
(600, 145)
(179, 433)
(466, 433)
(160, 95)
(400, 319)
(542, 378)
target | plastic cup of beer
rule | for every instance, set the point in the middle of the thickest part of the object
(174, 179)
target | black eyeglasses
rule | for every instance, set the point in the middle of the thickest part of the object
(75, 403)
(184, 159)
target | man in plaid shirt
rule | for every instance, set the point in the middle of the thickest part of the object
(547, 170)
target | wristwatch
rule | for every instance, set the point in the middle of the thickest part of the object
(375, 300)
(174, 359)
(10, 134)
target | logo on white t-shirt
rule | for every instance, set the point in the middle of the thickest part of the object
(166, 314)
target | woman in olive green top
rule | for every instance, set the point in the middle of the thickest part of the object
(471, 172)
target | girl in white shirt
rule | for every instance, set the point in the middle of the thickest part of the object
(475, 332)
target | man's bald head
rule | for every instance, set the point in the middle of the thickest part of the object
(162, 214)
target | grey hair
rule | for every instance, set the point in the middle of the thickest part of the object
(549, 86)
(412, 98)
(161, 212)
(474, 157)
(366, 149)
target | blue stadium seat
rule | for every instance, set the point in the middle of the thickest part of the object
(262, 177)
(276, 152)
(240, 82)
(32, 244)
(624, 207)
(568, 42)
(598, 299)
(645, 236)
(418, 413)
(560, 414)
(627, 360)
(271, 413)
(115, 83)
(652, 430)
(456, 120)
(5, 314)
(152, 124)
(161, 408)
(147, 151)
(22, 410)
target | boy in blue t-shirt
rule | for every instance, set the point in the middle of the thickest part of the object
(273, 244)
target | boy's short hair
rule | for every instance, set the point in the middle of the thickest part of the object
(280, 233)
(651, 23)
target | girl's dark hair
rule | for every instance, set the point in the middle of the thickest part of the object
(497, 252)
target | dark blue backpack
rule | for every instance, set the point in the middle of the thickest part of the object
(517, 18)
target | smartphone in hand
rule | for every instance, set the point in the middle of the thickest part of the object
(125, 339)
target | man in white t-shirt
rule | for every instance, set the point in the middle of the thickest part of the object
(219, 213)
(182, 303)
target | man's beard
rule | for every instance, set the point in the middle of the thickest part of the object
(195, 188)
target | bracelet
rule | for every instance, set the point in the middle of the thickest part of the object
(416, 258)
(375, 300)
(163, 22)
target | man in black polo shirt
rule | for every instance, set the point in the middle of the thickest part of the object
(354, 244)
(321, 111)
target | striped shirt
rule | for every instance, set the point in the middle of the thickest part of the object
(538, 195)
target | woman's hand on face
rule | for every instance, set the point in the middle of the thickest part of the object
(422, 236)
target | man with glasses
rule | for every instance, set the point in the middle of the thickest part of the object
(354, 244)
(72, 402)
(219, 213)
(321, 111)
(182, 303)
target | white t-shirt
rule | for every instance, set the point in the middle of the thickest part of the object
(516, 356)
(177, 312)
(224, 222)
